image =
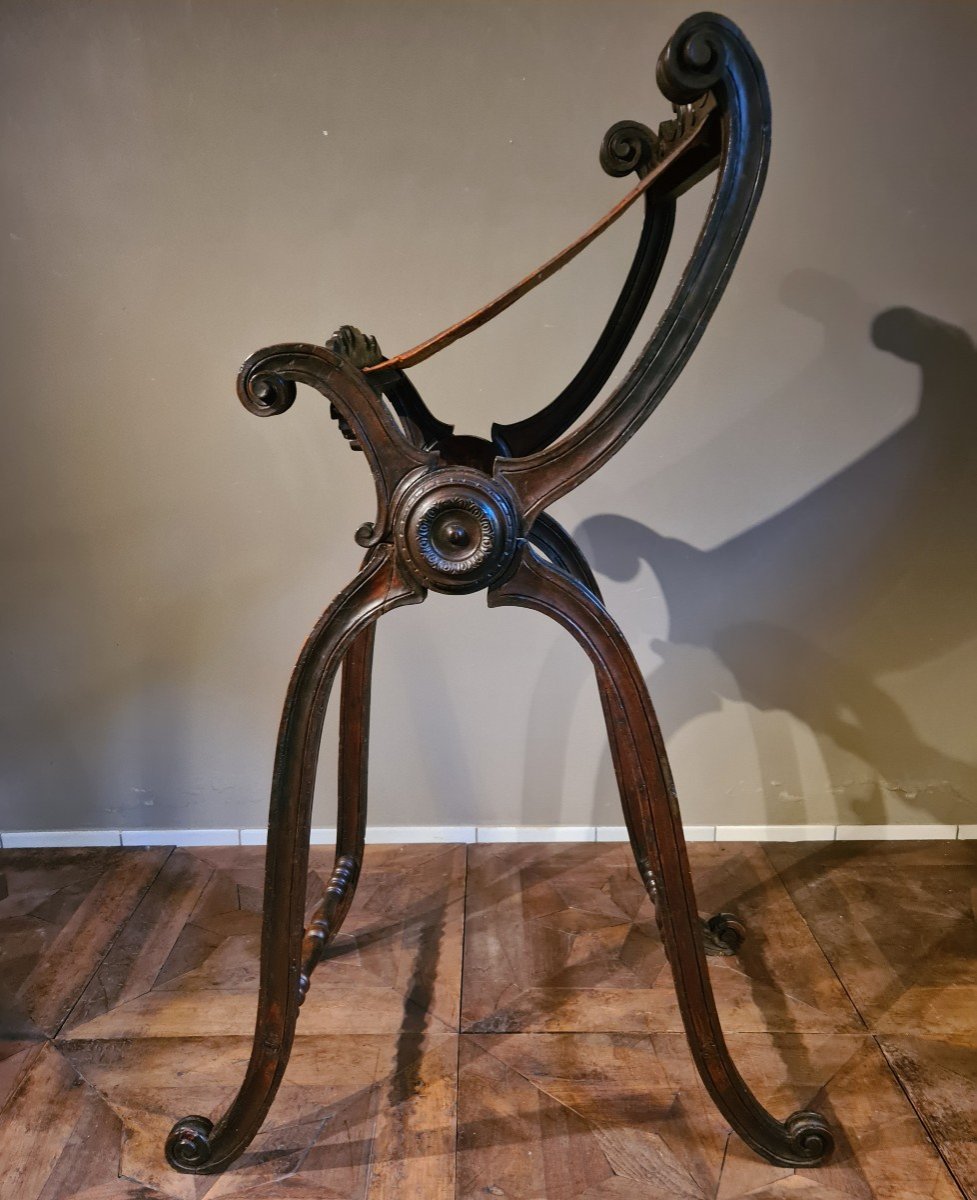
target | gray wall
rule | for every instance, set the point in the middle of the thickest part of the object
(789, 542)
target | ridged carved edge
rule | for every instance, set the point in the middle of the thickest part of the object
(188, 1147)
(708, 62)
(428, 550)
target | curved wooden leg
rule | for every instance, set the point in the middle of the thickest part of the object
(559, 547)
(655, 828)
(722, 934)
(195, 1145)
(354, 738)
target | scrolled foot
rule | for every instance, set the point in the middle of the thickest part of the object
(188, 1147)
(723, 935)
(811, 1138)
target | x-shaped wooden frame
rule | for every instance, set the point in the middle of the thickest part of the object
(459, 514)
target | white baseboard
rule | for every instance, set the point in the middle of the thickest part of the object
(776, 833)
(378, 835)
(181, 837)
(385, 834)
(890, 833)
(693, 833)
(534, 833)
(61, 837)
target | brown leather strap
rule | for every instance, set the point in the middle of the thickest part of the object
(666, 177)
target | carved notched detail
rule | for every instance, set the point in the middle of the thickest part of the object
(456, 535)
(323, 925)
(687, 119)
(360, 349)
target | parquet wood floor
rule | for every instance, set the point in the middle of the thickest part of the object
(499, 1021)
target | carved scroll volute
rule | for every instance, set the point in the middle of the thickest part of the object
(266, 387)
(707, 54)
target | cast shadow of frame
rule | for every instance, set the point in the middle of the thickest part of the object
(871, 573)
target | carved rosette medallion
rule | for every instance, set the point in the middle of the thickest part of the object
(456, 530)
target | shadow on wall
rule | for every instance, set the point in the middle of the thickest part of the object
(872, 573)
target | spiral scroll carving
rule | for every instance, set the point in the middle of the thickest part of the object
(694, 60)
(188, 1146)
(627, 146)
(810, 1135)
(265, 394)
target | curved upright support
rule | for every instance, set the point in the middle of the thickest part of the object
(707, 54)
(536, 432)
(424, 428)
(354, 742)
(195, 1145)
(655, 828)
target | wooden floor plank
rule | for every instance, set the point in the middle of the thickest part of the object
(60, 912)
(369, 1116)
(60, 1139)
(563, 938)
(16, 1059)
(133, 965)
(563, 1116)
(189, 959)
(939, 1074)
(896, 920)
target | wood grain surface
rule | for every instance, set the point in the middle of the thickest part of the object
(499, 1022)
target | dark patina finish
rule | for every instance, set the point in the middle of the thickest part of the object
(460, 514)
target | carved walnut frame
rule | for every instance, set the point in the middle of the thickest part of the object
(460, 514)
